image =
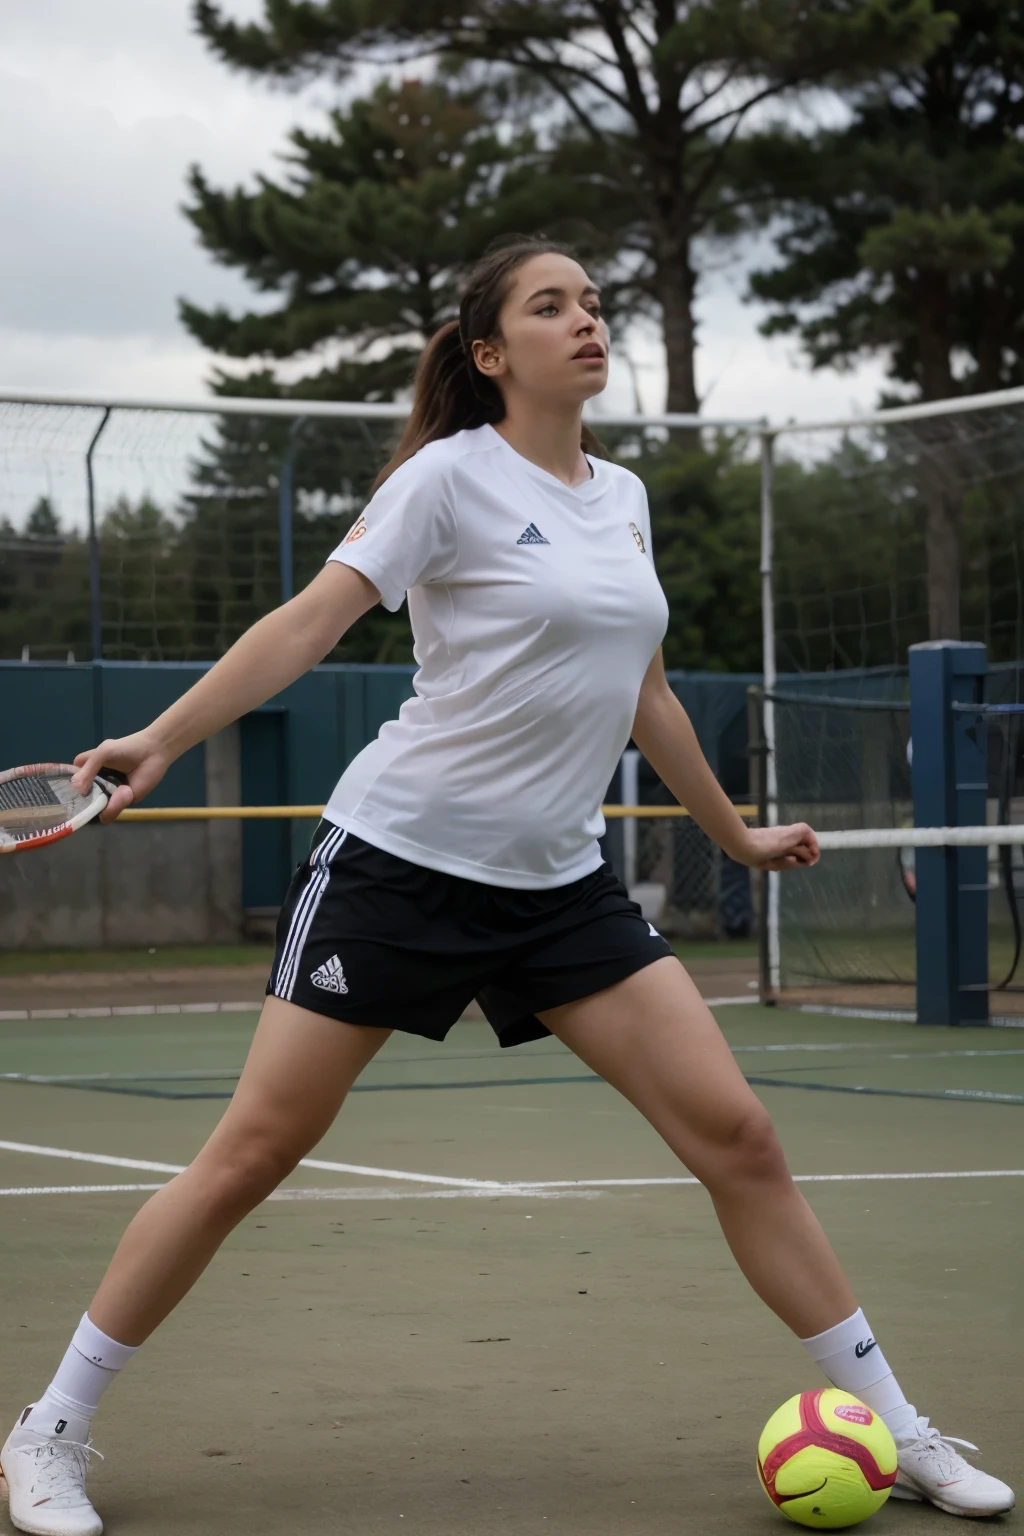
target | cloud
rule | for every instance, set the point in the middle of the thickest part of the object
(93, 239)
(102, 108)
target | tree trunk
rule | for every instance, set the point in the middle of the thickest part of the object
(942, 549)
(675, 284)
(994, 329)
(942, 481)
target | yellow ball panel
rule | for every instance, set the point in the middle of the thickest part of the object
(826, 1460)
(826, 1491)
(785, 1421)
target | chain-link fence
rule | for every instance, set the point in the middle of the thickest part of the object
(160, 533)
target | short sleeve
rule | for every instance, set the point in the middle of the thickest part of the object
(406, 536)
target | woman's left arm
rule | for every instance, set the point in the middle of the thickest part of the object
(663, 732)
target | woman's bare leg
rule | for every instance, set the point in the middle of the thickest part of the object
(653, 1038)
(299, 1069)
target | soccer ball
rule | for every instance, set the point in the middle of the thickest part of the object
(826, 1460)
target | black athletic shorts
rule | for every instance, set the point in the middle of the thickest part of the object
(371, 939)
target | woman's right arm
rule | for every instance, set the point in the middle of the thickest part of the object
(273, 653)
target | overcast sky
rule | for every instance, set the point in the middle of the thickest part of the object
(104, 104)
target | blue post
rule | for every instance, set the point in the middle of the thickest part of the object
(949, 775)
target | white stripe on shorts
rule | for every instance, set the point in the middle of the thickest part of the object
(304, 913)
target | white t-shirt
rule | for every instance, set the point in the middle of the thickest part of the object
(535, 611)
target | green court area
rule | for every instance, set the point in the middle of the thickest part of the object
(492, 1301)
(42, 962)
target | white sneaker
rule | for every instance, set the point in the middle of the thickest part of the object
(930, 1469)
(44, 1479)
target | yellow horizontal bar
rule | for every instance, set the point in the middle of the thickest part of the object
(223, 813)
(619, 812)
(312, 812)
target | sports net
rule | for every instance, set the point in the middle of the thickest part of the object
(846, 930)
(881, 531)
(862, 518)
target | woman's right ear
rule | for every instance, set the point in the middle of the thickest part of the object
(487, 358)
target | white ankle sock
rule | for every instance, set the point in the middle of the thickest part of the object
(85, 1373)
(852, 1361)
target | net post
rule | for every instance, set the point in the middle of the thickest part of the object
(95, 611)
(949, 776)
(771, 967)
(286, 510)
(630, 796)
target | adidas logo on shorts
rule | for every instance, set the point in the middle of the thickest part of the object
(330, 977)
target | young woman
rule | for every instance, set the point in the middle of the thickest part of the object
(458, 857)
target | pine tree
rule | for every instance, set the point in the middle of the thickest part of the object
(363, 241)
(44, 586)
(362, 245)
(646, 100)
(902, 237)
(229, 545)
(42, 521)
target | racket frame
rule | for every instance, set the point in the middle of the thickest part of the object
(99, 795)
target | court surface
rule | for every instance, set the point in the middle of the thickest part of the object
(492, 1301)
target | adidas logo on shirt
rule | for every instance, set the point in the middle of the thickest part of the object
(532, 535)
(330, 977)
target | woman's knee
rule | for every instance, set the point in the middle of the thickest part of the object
(747, 1150)
(238, 1172)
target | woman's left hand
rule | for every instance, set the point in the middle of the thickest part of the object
(779, 847)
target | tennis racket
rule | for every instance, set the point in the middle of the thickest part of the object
(38, 805)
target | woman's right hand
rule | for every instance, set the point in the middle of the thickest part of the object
(140, 757)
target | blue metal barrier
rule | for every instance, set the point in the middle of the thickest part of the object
(949, 775)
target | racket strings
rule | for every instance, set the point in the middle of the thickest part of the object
(39, 805)
(18, 793)
(36, 802)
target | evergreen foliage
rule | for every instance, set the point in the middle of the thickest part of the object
(901, 232)
(362, 243)
(901, 236)
(645, 101)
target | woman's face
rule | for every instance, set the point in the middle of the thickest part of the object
(553, 342)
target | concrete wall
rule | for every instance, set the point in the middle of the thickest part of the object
(128, 886)
(181, 883)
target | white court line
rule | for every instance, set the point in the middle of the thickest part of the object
(520, 1186)
(127, 1011)
(90, 1157)
(485, 1192)
(394, 1173)
(78, 1189)
(307, 1162)
(361, 1192)
(136, 1010)
(798, 1178)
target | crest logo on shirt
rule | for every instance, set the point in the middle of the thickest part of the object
(638, 536)
(357, 531)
